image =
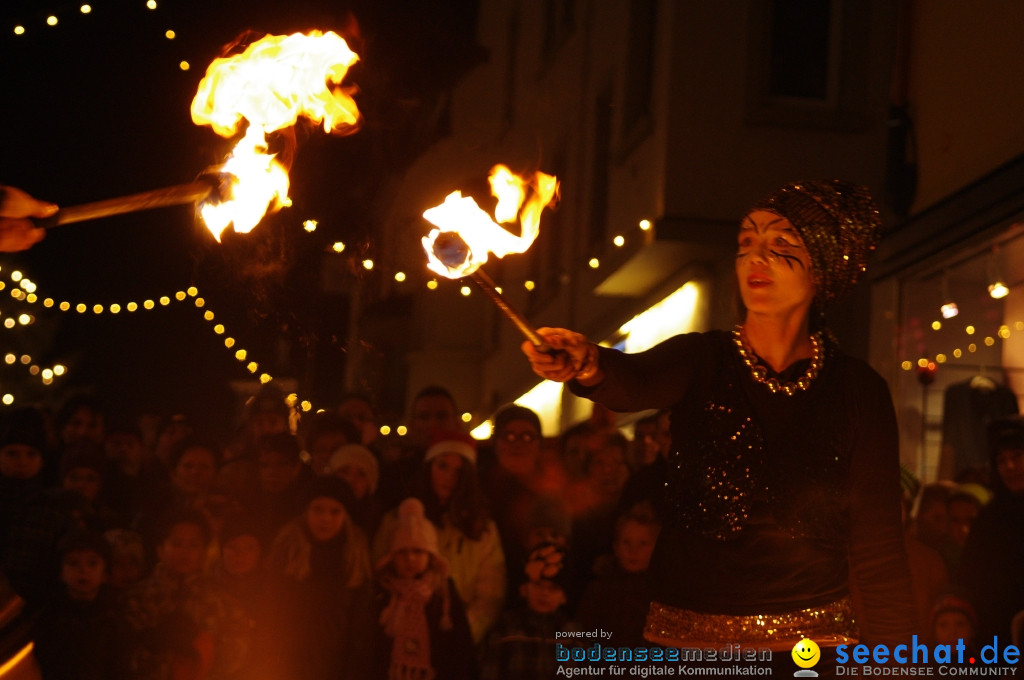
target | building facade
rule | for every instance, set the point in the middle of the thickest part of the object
(664, 121)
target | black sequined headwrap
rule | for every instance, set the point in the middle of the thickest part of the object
(840, 225)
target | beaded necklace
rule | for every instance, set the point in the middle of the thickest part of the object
(760, 374)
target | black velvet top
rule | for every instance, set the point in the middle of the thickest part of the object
(774, 502)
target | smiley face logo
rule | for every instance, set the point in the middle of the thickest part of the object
(806, 653)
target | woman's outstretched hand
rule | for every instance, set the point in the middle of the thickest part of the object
(571, 356)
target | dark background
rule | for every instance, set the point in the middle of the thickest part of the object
(98, 107)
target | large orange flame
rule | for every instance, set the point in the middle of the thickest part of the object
(481, 234)
(276, 80)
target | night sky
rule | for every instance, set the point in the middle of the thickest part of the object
(97, 107)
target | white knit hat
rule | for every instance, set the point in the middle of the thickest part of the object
(358, 455)
(452, 442)
(414, 530)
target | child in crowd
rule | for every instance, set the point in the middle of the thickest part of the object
(81, 634)
(424, 626)
(127, 564)
(282, 480)
(83, 472)
(185, 626)
(326, 433)
(31, 520)
(953, 620)
(521, 646)
(617, 600)
(357, 465)
(322, 604)
(239, 572)
(239, 569)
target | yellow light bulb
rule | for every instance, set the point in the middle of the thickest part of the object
(164, 300)
(81, 308)
(115, 308)
(240, 355)
(399, 276)
(218, 329)
(192, 291)
(97, 309)
(180, 295)
(208, 315)
(131, 306)
(148, 304)
(65, 306)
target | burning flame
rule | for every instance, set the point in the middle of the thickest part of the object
(464, 234)
(270, 85)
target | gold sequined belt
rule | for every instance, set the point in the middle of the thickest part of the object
(828, 625)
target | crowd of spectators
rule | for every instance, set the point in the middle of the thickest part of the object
(315, 548)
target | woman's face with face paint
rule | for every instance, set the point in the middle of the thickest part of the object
(773, 267)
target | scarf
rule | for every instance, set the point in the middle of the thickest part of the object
(405, 621)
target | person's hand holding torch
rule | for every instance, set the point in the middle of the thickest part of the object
(17, 231)
(570, 357)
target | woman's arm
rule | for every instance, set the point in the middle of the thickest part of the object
(655, 378)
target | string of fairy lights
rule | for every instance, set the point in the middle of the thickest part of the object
(23, 289)
(1003, 333)
(66, 13)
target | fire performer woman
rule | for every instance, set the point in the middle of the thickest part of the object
(783, 486)
(17, 231)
